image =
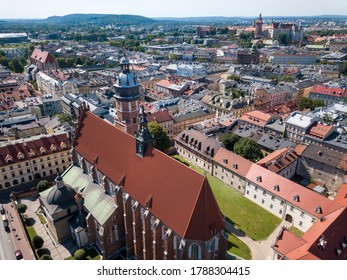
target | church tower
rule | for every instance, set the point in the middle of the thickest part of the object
(127, 99)
(258, 27)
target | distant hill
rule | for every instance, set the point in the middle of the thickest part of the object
(97, 19)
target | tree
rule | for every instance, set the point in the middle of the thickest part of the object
(80, 254)
(161, 141)
(16, 66)
(64, 117)
(283, 39)
(229, 140)
(42, 186)
(46, 257)
(248, 149)
(21, 208)
(305, 102)
(327, 119)
(37, 242)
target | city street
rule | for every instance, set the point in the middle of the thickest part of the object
(7, 247)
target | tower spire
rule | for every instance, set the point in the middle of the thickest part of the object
(144, 138)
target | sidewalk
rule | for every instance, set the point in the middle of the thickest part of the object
(18, 234)
(261, 250)
(56, 251)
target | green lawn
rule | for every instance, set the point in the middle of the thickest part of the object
(253, 220)
(238, 248)
(31, 232)
(296, 231)
(42, 219)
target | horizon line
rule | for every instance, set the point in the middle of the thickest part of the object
(176, 17)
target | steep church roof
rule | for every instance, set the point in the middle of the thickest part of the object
(180, 197)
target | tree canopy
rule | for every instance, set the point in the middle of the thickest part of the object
(229, 140)
(248, 149)
(161, 140)
(305, 102)
(37, 241)
(42, 186)
(21, 208)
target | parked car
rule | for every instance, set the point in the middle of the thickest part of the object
(19, 255)
(6, 224)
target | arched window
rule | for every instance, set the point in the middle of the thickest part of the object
(15, 182)
(214, 247)
(195, 252)
(7, 185)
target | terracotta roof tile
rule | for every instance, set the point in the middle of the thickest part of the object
(181, 198)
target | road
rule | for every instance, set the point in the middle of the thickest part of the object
(7, 247)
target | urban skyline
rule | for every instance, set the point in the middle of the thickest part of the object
(156, 8)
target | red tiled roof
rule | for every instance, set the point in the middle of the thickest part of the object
(256, 117)
(308, 200)
(181, 198)
(287, 242)
(332, 227)
(41, 56)
(319, 130)
(332, 91)
(33, 147)
(242, 165)
(160, 116)
(278, 160)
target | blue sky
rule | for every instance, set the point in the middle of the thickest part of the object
(171, 8)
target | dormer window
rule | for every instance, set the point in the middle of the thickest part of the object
(225, 161)
(235, 166)
(63, 145)
(276, 188)
(8, 158)
(258, 178)
(31, 153)
(296, 198)
(43, 150)
(53, 148)
(318, 210)
(20, 155)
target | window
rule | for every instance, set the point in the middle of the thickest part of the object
(195, 252)
(11, 167)
(247, 192)
(256, 188)
(255, 196)
(262, 201)
(282, 202)
(20, 172)
(3, 169)
(302, 214)
(280, 212)
(264, 192)
(13, 174)
(23, 180)
(271, 206)
(291, 208)
(5, 177)
(300, 223)
(30, 177)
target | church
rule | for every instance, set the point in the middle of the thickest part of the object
(131, 200)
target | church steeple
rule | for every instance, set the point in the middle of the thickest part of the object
(144, 138)
(127, 99)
